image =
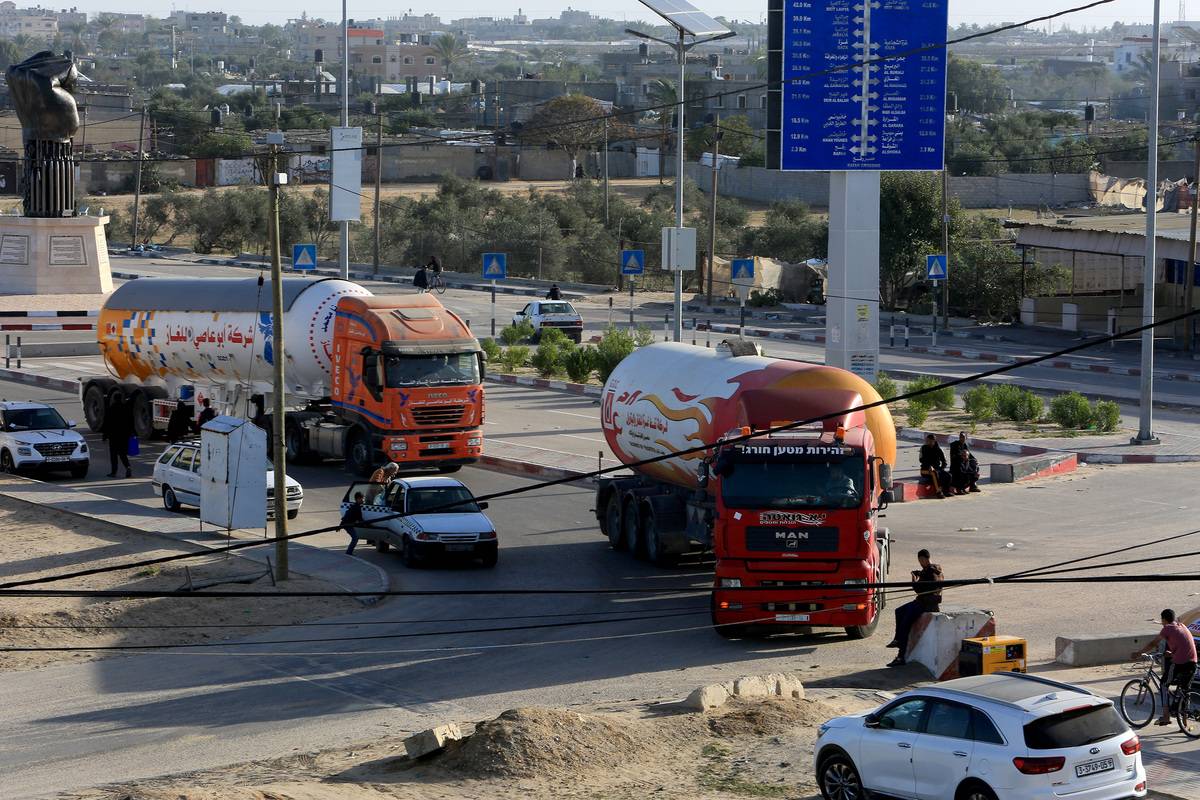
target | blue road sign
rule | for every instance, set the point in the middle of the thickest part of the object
(935, 267)
(888, 115)
(495, 266)
(633, 262)
(304, 256)
(742, 269)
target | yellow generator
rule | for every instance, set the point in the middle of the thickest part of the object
(989, 654)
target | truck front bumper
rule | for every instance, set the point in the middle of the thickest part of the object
(417, 450)
(745, 597)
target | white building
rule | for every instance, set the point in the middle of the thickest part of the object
(1133, 52)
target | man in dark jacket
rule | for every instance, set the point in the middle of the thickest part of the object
(964, 469)
(117, 431)
(421, 280)
(554, 293)
(179, 426)
(206, 414)
(928, 600)
(933, 465)
(352, 517)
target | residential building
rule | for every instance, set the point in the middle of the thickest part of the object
(37, 23)
(393, 63)
(312, 36)
(202, 22)
(1133, 52)
(411, 23)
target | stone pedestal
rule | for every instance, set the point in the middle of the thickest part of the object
(54, 255)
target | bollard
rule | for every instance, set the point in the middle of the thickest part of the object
(933, 337)
(892, 336)
(610, 311)
(905, 337)
(1112, 331)
(7, 348)
(18, 352)
(693, 331)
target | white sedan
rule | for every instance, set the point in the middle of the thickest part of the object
(177, 481)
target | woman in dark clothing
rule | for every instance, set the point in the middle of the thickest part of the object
(117, 431)
(964, 469)
(179, 426)
(933, 465)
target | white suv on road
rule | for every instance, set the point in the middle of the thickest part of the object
(35, 436)
(1004, 736)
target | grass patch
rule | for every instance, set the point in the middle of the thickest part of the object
(720, 776)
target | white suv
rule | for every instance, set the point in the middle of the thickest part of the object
(35, 436)
(987, 737)
(177, 481)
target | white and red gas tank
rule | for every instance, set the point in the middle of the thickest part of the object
(669, 397)
(219, 330)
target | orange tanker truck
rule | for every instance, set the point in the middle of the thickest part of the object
(785, 514)
(369, 379)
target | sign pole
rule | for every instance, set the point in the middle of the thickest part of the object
(493, 308)
(681, 51)
(1145, 434)
(277, 359)
(631, 282)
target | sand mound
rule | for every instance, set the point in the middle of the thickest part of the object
(546, 742)
(745, 718)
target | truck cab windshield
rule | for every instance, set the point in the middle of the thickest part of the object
(780, 484)
(426, 370)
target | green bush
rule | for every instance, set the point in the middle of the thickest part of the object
(552, 353)
(515, 334)
(643, 336)
(554, 336)
(1008, 398)
(886, 387)
(916, 413)
(579, 363)
(490, 349)
(762, 299)
(1071, 410)
(1106, 415)
(1029, 407)
(514, 357)
(980, 403)
(941, 399)
(613, 347)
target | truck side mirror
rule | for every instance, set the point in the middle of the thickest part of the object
(482, 364)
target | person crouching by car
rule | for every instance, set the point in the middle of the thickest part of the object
(964, 469)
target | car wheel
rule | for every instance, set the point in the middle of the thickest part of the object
(6, 462)
(975, 791)
(839, 779)
(295, 512)
(170, 501)
(79, 471)
(489, 560)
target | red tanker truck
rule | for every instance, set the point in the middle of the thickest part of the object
(785, 514)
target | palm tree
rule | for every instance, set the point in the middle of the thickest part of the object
(105, 23)
(451, 50)
(664, 98)
(75, 31)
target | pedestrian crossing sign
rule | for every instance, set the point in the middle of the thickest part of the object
(935, 267)
(304, 256)
(633, 262)
(741, 270)
(495, 266)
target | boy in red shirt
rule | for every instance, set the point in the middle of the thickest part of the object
(1180, 668)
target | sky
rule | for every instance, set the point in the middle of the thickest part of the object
(980, 12)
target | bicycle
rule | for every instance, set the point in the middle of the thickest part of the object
(1139, 700)
(437, 283)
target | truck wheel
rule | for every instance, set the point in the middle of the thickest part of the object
(381, 546)
(612, 522)
(631, 524)
(94, 405)
(293, 440)
(143, 416)
(359, 458)
(863, 631)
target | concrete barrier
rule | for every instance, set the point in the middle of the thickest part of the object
(936, 638)
(1094, 649)
(1040, 466)
(56, 349)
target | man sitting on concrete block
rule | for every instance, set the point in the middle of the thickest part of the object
(926, 601)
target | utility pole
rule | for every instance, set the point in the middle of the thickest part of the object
(1190, 268)
(677, 326)
(137, 177)
(344, 243)
(946, 248)
(606, 172)
(712, 196)
(378, 183)
(278, 357)
(1145, 434)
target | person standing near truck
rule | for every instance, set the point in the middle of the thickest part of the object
(928, 600)
(117, 431)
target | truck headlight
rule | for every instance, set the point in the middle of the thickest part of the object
(476, 442)
(24, 451)
(731, 583)
(400, 445)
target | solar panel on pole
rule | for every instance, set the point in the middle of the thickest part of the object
(686, 17)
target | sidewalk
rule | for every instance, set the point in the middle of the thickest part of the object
(346, 572)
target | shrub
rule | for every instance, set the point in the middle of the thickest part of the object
(1008, 398)
(1071, 410)
(613, 347)
(1029, 407)
(552, 353)
(514, 357)
(941, 399)
(1106, 415)
(490, 349)
(553, 336)
(515, 334)
(762, 299)
(980, 403)
(579, 363)
(917, 413)
(643, 336)
(886, 387)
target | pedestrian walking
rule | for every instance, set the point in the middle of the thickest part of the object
(964, 469)
(117, 430)
(928, 600)
(353, 515)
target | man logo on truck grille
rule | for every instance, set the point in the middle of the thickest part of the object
(791, 537)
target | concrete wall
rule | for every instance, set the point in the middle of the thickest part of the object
(765, 186)
(115, 176)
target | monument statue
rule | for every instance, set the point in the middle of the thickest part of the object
(40, 87)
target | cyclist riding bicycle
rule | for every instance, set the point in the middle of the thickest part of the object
(1180, 668)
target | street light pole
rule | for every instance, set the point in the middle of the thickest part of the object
(378, 183)
(1145, 433)
(279, 455)
(712, 197)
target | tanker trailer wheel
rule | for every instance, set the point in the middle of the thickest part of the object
(612, 522)
(359, 459)
(631, 524)
(143, 416)
(651, 541)
(94, 405)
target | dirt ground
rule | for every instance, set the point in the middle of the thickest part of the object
(40, 542)
(745, 749)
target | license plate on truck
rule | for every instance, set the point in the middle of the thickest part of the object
(791, 617)
(1092, 767)
(438, 446)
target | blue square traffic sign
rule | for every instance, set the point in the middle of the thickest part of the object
(935, 267)
(633, 262)
(495, 266)
(741, 269)
(304, 256)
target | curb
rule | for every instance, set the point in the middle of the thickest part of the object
(33, 379)
(527, 469)
(544, 383)
(1015, 448)
(51, 314)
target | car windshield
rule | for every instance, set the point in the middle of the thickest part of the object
(557, 308)
(441, 500)
(1075, 728)
(427, 370)
(790, 484)
(33, 419)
